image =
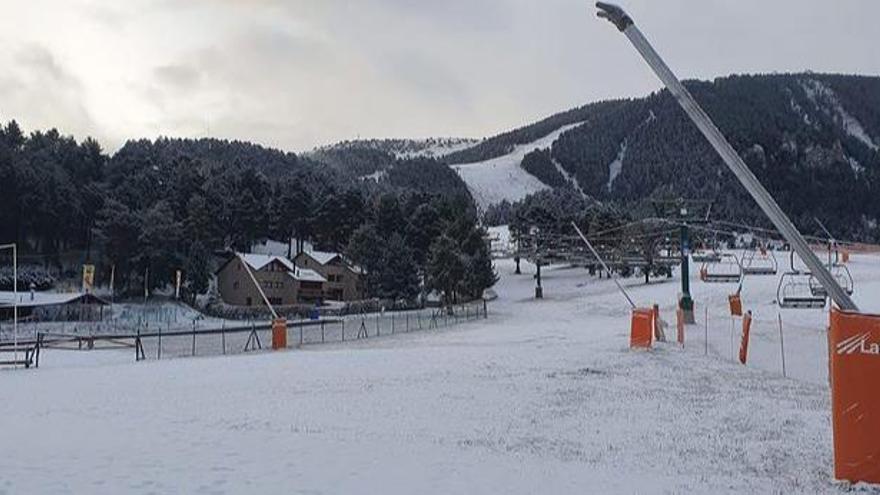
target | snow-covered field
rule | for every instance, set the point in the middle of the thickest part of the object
(544, 397)
(501, 178)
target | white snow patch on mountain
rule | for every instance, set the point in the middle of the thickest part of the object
(375, 176)
(495, 180)
(568, 177)
(436, 148)
(616, 167)
(826, 99)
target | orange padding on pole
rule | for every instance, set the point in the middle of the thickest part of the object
(736, 305)
(279, 333)
(854, 343)
(658, 331)
(744, 345)
(642, 328)
(679, 316)
(844, 256)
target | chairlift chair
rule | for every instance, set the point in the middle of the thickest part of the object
(759, 262)
(706, 256)
(726, 270)
(841, 274)
(795, 290)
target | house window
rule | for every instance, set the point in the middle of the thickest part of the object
(235, 285)
(248, 302)
(339, 278)
(275, 301)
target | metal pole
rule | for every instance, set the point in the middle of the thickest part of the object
(781, 344)
(247, 268)
(686, 303)
(610, 273)
(15, 302)
(734, 162)
(707, 329)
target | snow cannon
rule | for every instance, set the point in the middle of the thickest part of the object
(279, 333)
(642, 329)
(854, 344)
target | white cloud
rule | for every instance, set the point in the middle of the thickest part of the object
(299, 73)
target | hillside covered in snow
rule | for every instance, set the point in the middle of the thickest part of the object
(812, 139)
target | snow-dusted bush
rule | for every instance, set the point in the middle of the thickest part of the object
(27, 275)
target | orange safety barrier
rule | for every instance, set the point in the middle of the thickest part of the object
(642, 328)
(854, 344)
(679, 315)
(744, 345)
(736, 305)
(279, 333)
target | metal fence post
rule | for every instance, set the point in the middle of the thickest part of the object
(322, 331)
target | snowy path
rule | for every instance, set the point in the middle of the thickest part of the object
(544, 397)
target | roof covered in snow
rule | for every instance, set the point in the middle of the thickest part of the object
(25, 299)
(306, 275)
(260, 261)
(322, 257)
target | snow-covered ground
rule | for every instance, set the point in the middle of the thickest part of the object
(501, 178)
(543, 397)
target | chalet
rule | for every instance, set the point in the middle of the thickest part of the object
(283, 283)
(344, 281)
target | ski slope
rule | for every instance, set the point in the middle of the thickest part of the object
(501, 178)
(543, 397)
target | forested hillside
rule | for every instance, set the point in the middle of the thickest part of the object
(812, 140)
(155, 207)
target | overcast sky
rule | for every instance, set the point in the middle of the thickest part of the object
(299, 73)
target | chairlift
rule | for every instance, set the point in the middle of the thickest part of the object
(706, 256)
(795, 290)
(759, 261)
(727, 269)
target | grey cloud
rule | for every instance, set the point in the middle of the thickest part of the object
(180, 77)
(39, 60)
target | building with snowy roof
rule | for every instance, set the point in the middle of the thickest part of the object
(80, 306)
(344, 280)
(283, 283)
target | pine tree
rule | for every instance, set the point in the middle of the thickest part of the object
(446, 268)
